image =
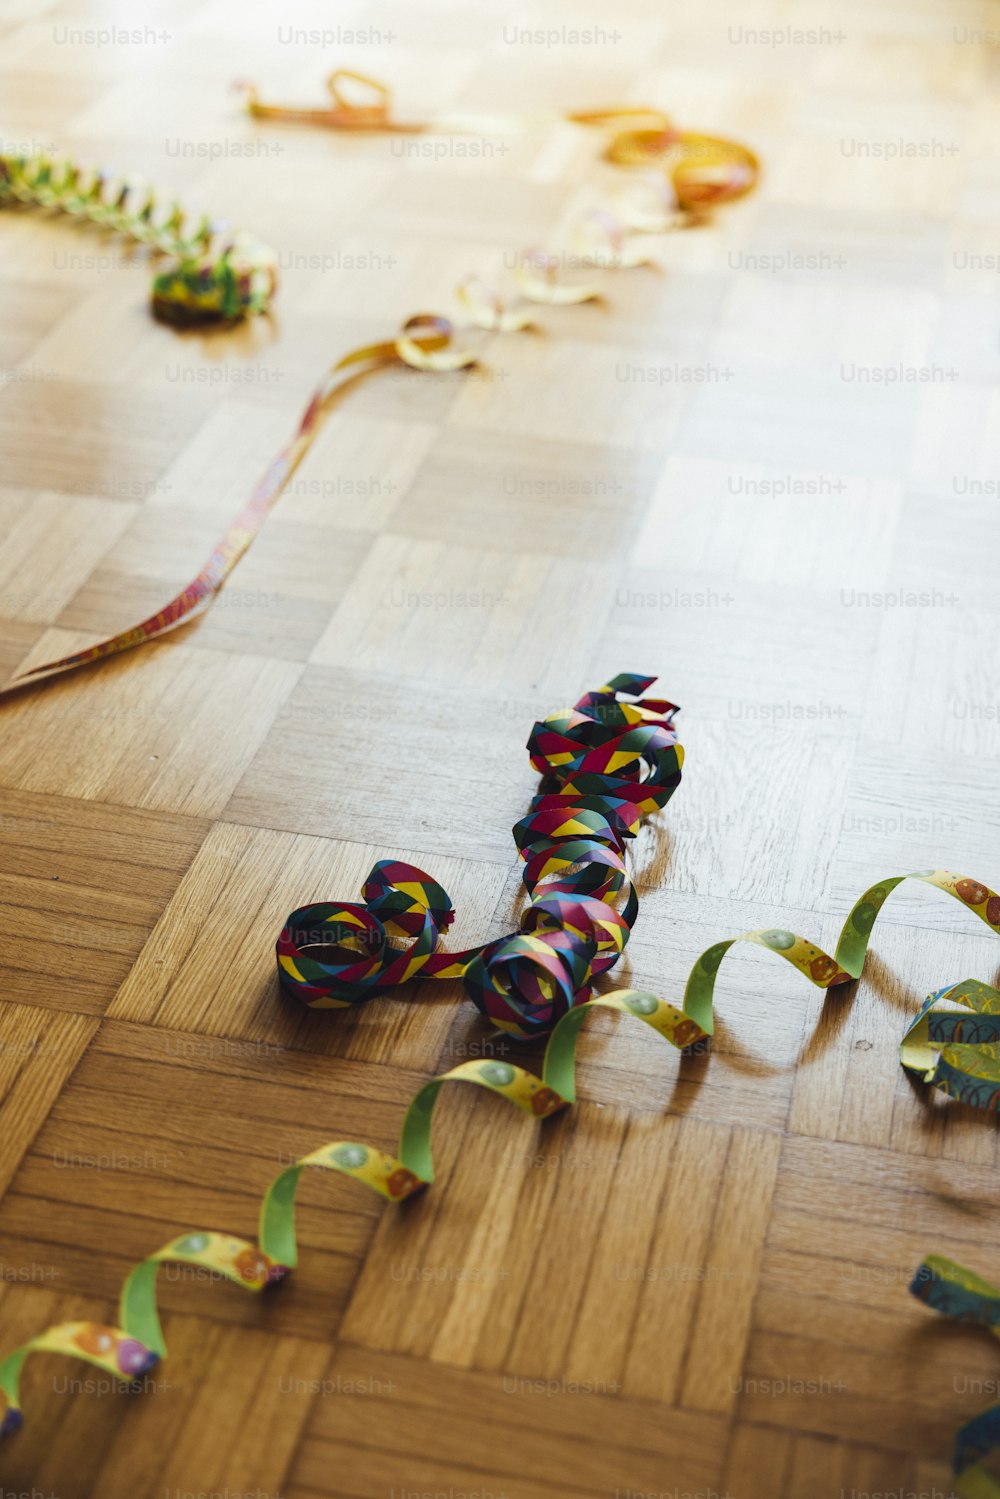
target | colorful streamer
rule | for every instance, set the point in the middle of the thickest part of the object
(216, 275)
(703, 170)
(960, 1054)
(537, 987)
(425, 343)
(959, 1293)
(605, 764)
(239, 277)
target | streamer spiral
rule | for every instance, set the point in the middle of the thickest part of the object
(606, 765)
(215, 276)
(957, 1292)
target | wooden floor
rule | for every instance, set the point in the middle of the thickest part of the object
(695, 1282)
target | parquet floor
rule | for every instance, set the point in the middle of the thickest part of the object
(695, 1282)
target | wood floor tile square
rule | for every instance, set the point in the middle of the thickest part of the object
(81, 438)
(178, 738)
(335, 760)
(542, 1438)
(83, 885)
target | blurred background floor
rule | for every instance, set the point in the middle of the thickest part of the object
(769, 473)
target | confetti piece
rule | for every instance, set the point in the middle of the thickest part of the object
(216, 276)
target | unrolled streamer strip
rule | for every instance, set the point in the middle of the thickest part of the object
(606, 764)
(424, 343)
(215, 275)
(956, 1292)
(239, 277)
(427, 342)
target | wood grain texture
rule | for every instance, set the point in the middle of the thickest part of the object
(693, 1283)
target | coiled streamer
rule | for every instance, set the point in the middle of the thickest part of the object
(606, 765)
(217, 275)
(703, 170)
(956, 1292)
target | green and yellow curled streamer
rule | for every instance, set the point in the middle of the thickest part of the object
(956, 1292)
(133, 1348)
(216, 275)
(960, 1054)
(396, 1177)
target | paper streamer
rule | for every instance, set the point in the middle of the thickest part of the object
(240, 277)
(535, 983)
(960, 1054)
(959, 1293)
(605, 764)
(425, 343)
(609, 763)
(217, 275)
(131, 1350)
(704, 170)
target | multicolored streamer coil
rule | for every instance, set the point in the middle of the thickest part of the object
(956, 1292)
(216, 275)
(606, 764)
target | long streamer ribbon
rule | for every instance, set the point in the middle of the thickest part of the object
(425, 343)
(704, 170)
(216, 275)
(211, 282)
(959, 1293)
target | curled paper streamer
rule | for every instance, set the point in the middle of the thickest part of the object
(357, 102)
(130, 1350)
(704, 170)
(424, 343)
(960, 1054)
(537, 276)
(603, 241)
(606, 764)
(486, 308)
(959, 1293)
(523, 986)
(852, 946)
(216, 276)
